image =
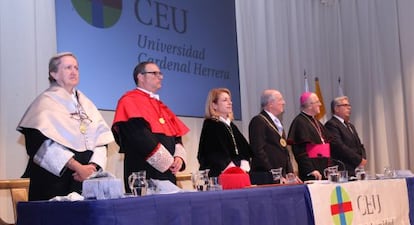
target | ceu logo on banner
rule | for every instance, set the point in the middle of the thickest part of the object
(99, 13)
(341, 207)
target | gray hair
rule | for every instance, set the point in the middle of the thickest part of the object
(337, 101)
(266, 97)
(55, 61)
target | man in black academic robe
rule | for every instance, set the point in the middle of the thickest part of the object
(268, 139)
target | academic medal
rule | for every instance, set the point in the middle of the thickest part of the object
(162, 120)
(282, 142)
(83, 127)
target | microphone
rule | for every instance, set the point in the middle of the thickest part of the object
(340, 162)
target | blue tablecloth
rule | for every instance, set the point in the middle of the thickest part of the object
(282, 205)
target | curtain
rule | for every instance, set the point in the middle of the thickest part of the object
(367, 44)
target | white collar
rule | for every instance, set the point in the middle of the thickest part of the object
(152, 95)
(340, 119)
(226, 121)
(273, 117)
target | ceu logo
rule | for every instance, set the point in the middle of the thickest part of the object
(99, 13)
(341, 207)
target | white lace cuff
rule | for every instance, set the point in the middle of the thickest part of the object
(52, 157)
(180, 152)
(160, 159)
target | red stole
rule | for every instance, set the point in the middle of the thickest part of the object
(138, 104)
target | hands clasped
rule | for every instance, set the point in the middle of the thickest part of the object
(176, 165)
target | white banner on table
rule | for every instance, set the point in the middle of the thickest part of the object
(374, 202)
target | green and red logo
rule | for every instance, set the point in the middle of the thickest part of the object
(99, 13)
(341, 207)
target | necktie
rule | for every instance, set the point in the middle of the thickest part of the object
(279, 125)
(348, 125)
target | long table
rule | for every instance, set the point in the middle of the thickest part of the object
(282, 205)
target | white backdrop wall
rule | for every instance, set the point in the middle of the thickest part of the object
(369, 44)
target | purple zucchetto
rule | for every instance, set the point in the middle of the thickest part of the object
(304, 97)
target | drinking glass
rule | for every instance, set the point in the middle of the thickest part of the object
(138, 183)
(343, 176)
(200, 180)
(331, 173)
(277, 175)
(389, 172)
(214, 184)
(291, 178)
(360, 173)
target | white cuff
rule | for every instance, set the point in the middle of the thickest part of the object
(160, 159)
(99, 157)
(180, 152)
(52, 157)
(244, 165)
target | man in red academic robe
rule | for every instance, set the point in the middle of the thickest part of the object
(147, 131)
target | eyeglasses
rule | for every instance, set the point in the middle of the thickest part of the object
(84, 120)
(80, 116)
(346, 105)
(155, 73)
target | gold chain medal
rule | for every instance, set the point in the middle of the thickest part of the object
(161, 120)
(82, 127)
(282, 142)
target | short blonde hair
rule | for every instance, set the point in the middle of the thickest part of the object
(212, 97)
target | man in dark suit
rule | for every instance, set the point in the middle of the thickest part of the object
(346, 145)
(268, 139)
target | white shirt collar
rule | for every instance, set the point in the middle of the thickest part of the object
(273, 117)
(340, 119)
(152, 95)
(226, 121)
(276, 121)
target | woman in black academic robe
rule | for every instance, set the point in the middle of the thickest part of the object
(221, 144)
